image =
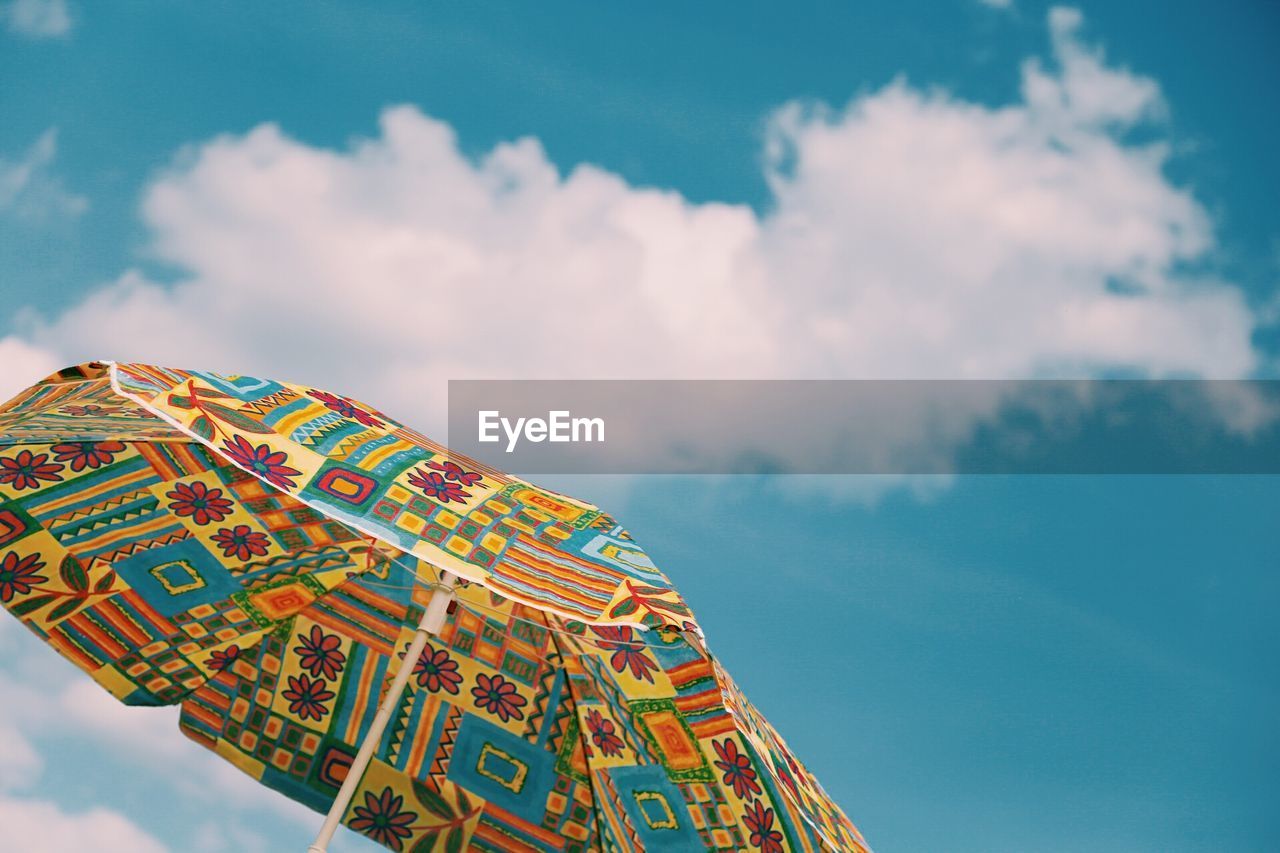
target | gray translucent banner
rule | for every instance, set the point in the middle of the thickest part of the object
(884, 427)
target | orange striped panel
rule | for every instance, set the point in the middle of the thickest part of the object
(495, 835)
(363, 698)
(121, 622)
(86, 492)
(72, 651)
(105, 641)
(162, 626)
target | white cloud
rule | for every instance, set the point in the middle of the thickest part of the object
(151, 738)
(21, 364)
(30, 191)
(1085, 93)
(39, 826)
(37, 18)
(997, 4)
(32, 824)
(912, 234)
(20, 761)
(47, 701)
(921, 235)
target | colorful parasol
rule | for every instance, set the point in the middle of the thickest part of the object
(436, 654)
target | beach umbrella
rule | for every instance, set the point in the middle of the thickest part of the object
(433, 653)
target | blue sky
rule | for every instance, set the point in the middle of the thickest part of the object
(941, 189)
(671, 98)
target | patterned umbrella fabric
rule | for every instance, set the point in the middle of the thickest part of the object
(260, 553)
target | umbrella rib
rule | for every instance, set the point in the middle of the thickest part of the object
(573, 700)
(432, 621)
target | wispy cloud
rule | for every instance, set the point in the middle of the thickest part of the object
(29, 188)
(41, 826)
(21, 364)
(37, 19)
(32, 823)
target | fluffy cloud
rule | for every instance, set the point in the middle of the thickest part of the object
(21, 364)
(37, 18)
(30, 191)
(19, 758)
(40, 826)
(151, 737)
(33, 824)
(48, 704)
(911, 234)
(923, 236)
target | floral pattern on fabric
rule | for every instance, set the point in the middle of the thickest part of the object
(524, 543)
(215, 568)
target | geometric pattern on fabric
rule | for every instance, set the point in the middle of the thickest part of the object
(174, 576)
(353, 463)
(519, 731)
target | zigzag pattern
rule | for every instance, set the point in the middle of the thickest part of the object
(541, 699)
(97, 509)
(128, 549)
(399, 726)
(350, 444)
(632, 841)
(316, 431)
(444, 750)
(559, 725)
(100, 516)
(264, 405)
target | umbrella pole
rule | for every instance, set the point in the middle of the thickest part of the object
(432, 622)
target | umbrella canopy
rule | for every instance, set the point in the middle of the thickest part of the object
(277, 559)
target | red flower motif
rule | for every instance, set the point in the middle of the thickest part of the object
(319, 655)
(18, 576)
(307, 697)
(736, 765)
(627, 654)
(241, 542)
(435, 486)
(382, 819)
(27, 469)
(759, 821)
(603, 733)
(262, 461)
(199, 502)
(222, 659)
(454, 471)
(346, 408)
(87, 454)
(436, 671)
(499, 697)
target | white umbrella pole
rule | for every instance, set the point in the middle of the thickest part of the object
(432, 621)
